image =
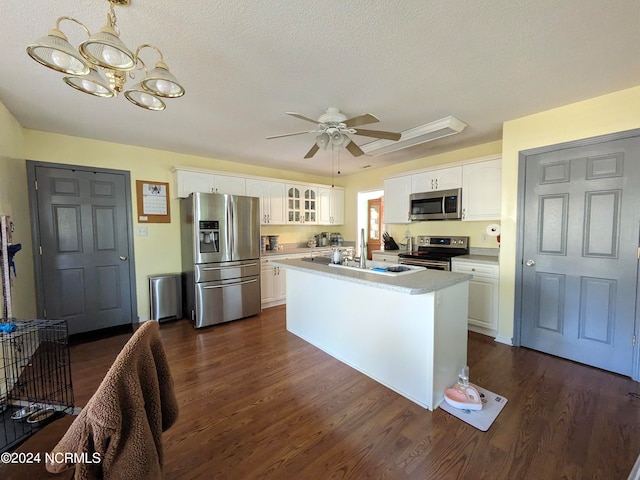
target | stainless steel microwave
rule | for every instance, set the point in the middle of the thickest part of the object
(438, 205)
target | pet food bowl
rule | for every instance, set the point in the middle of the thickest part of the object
(39, 416)
(26, 411)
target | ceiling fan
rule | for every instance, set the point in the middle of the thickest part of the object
(333, 127)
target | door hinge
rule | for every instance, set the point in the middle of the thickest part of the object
(40, 247)
(633, 341)
(44, 313)
(36, 184)
(638, 253)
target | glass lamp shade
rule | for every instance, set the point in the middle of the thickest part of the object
(162, 83)
(54, 51)
(337, 139)
(142, 98)
(322, 140)
(92, 84)
(107, 50)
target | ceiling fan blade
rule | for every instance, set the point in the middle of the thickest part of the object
(302, 117)
(361, 120)
(354, 149)
(378, 134)
(289, 134)
(313, 151)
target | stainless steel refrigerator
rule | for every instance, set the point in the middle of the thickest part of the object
(220, 257)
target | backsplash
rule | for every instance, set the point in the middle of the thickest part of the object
(476, 231)
(490, 252)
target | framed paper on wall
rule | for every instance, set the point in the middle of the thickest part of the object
(153, 202)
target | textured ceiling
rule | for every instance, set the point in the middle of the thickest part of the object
(244, 64)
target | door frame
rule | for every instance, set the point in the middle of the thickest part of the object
(35, 228)
(519, 291)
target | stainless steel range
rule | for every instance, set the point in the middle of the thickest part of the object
(435, 252)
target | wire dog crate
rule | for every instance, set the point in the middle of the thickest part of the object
(35, 377)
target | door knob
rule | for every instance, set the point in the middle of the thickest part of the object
(123, 258)
(530, 263)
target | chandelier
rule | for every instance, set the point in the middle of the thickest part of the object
(104, 51)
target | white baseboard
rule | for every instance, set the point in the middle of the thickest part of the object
(505, 340)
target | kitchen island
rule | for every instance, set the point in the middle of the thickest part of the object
(407, 331)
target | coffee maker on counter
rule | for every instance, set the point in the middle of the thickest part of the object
(323, 239)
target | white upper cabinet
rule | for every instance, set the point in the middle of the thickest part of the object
(441, 179)
(396, 199)
(280, 202)
(482, 190)
(302, 204)
(228, 184)
(188, 181)
(330, 206)
(271, 196)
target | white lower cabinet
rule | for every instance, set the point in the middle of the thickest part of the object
(273, 281)
(385, 256)
(483, 294)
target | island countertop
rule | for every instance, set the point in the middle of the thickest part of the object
(417, 283)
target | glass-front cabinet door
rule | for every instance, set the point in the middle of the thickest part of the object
(310, 205)
(293, 205)
(302, 204)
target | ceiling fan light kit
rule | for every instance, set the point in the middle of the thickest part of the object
(333, 127)
(105, 51)
(415, 136)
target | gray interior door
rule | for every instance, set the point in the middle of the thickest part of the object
(82, 228)
(580, 253)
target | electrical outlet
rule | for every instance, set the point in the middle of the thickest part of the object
(484, 238)
(142, 231)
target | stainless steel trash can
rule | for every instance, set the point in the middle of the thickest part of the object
(165, 297)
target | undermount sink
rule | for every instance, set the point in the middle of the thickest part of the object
(381, 268)
(318, 260)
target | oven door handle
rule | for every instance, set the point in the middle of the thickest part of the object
(434, 265)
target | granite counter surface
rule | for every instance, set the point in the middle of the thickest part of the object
(412, 284)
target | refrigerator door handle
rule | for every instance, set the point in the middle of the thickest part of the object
(230, 284)
(232, 241)
(230, 266)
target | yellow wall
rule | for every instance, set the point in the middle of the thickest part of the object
(611, 113)
(14, 202)
(159, 252)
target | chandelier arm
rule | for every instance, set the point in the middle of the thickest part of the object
(149, 45)
(60, 19)
(132, 75)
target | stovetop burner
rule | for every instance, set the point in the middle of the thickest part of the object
(439, 248)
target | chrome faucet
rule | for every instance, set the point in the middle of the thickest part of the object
(363, 251)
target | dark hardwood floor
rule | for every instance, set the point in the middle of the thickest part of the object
(258, 402)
